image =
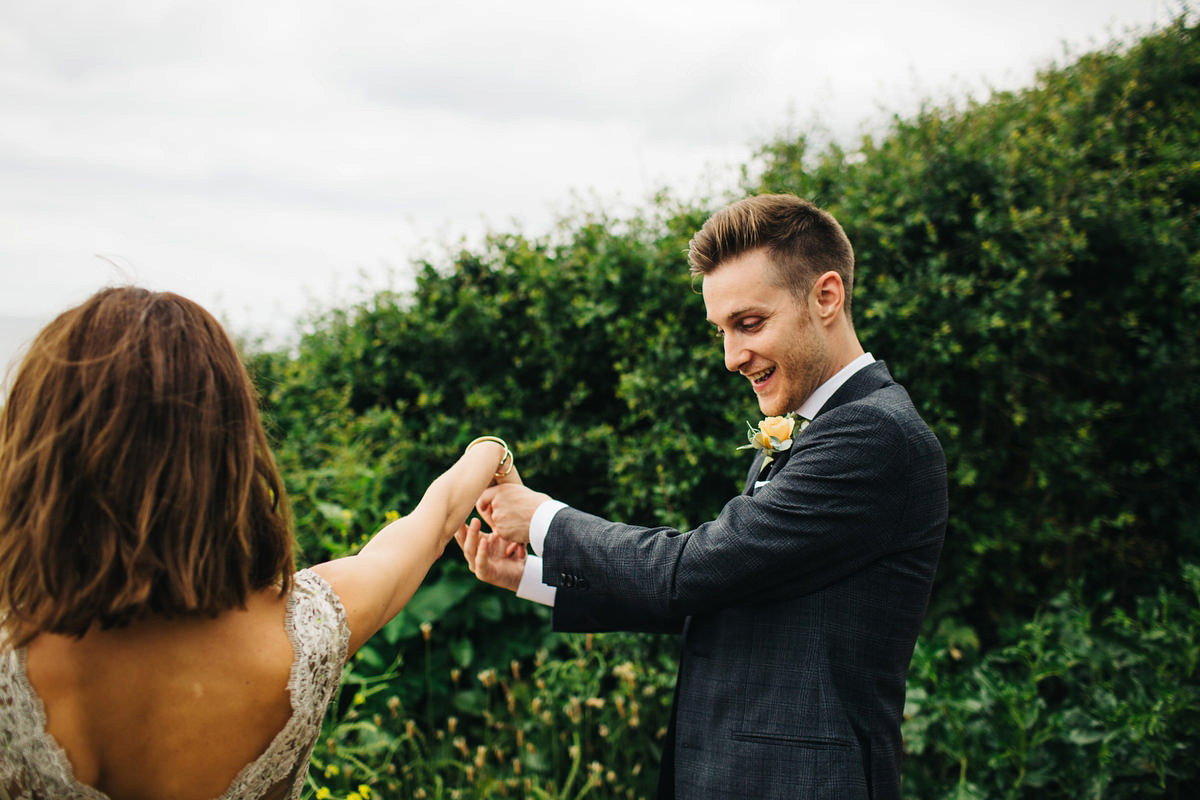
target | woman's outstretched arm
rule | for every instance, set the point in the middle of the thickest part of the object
(377, 582)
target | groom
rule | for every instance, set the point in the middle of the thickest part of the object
(799, 605)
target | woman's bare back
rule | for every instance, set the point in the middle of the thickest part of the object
(167, 709)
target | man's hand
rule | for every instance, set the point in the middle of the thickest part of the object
(491, 558)
(508, 509)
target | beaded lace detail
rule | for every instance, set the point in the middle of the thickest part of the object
(33, 766)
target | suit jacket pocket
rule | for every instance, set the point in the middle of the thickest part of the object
(775, 765)
(811, 742)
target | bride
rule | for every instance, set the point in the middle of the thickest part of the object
(155, 641)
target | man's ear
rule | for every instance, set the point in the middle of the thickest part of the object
(827, 297)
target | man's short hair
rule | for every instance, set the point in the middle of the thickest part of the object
(801, 241)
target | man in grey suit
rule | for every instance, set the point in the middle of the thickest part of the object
(799, 605)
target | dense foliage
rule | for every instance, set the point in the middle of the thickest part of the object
(1029, 267)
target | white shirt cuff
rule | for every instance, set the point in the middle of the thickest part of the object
(531, 587)
(539, 525)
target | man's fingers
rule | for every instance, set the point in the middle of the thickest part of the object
(468, 540)
(482, 564)
(484, 504)
(494, 564)
(488, 495)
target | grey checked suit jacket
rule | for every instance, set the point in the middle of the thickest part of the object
(799, 606)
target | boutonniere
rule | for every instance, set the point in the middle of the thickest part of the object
(774, 435)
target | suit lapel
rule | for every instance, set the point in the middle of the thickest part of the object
(753, 475)
(760, 473)
(779, 460)
(870, 378)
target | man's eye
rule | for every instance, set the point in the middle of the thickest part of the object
(751, 324)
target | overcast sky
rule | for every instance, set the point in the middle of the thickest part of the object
(262, 156)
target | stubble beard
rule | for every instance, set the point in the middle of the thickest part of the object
(804, 368)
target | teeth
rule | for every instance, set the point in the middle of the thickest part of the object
(759, 377)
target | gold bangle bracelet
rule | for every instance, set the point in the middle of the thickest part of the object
(507, 458)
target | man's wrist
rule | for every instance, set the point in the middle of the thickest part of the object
(531, 586)
(539, 525)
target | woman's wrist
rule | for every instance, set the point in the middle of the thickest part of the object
(506, 460)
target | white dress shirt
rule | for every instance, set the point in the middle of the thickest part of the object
(532, 588)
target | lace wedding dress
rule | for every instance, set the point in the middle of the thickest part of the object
(32, 765)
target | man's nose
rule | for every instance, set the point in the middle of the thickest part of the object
(735, 353)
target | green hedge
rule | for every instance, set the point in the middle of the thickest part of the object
(1028, 266)
(1074, 703)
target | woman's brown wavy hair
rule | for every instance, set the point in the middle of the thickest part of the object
(135, 476)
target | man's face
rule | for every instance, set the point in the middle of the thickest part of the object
(769, 336)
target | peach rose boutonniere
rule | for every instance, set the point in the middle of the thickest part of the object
(774, 435)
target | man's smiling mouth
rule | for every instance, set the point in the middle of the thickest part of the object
(760, 377)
